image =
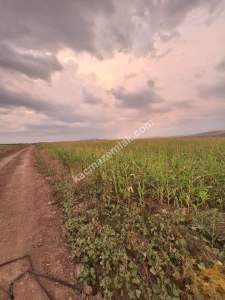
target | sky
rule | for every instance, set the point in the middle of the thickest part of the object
(94, 69)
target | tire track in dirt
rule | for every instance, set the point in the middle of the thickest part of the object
(30, 225)
(4, 161)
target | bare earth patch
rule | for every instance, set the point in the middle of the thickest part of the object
(30, 225)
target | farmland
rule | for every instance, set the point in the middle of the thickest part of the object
(4, 148)
(148, 223)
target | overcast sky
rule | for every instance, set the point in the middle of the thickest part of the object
(78, 69)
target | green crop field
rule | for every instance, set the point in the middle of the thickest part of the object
(149, 222)
(5, 147)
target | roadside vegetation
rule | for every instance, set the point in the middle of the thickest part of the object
(150, 222)
(7, 147)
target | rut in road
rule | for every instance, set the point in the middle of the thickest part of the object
(30, 225)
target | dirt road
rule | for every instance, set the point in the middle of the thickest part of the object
(30, 225)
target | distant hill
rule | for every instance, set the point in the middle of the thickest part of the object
(217, 133)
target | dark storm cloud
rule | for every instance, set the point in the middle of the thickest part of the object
(147, 100)
(221, 65)
(183, 104)
(90, 98)
(94, 26)
(34, 66)
(160, 18)
(214, 91)
(136, 99)
(10, 99)
(51, 24)
(174, 11)
(139, 99)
